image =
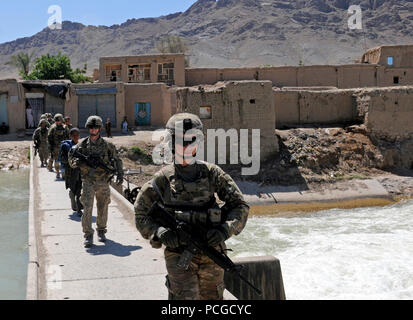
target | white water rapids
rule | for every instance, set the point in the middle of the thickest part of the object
(364, 253)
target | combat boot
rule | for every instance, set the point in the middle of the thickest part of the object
(58, 176)
(80, 213)
(101, 236)
(89, 241)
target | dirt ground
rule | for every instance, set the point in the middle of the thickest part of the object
(14, 152)
(315, 157)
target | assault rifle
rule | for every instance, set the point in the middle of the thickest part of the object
(194, 244)
(94, 161)
(36, 148)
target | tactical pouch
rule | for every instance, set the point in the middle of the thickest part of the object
(211, 217)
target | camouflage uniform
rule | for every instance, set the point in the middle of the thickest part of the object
(194, 185)
(44, 116)
(95, 182)
(40, 138)
(57, 134)
(49, 118)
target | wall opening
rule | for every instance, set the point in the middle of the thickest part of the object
(252, 101)
(205, 112)
(396, 80)
(139, 73)
(390, 61)
(166, 73)
(113, 73)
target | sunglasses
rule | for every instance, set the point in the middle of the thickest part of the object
(183, 141)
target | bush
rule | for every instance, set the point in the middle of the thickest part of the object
(136, 153)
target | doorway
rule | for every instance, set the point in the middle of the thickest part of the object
(142, 114)
(4, 117)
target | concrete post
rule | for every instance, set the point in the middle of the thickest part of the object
(264, 273)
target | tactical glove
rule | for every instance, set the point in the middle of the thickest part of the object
(217, 235)
(168, 237)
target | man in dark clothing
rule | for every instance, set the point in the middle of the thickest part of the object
(4, 128)
(72, 176)
(108, 128)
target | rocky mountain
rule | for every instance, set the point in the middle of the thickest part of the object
(233, 33)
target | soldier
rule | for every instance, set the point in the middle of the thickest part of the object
(57, 134)
(96, 175)
(40, 141)
(191, 185)
(50, 118)
(68, 124)
(72, 176)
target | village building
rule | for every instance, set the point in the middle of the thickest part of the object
(148, 89)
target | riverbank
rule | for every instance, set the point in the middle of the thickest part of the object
(14, 152)
(332, 167)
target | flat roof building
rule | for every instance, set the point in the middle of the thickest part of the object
(168, 68)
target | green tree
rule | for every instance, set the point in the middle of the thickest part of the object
(173, 44)
(22, 62)
(58, 67)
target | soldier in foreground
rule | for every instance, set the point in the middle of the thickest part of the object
(40, 141)
(188, 190)
(72, 176)
(98, 162)
(57, 134)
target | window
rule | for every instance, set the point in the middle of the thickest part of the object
(113, 72)
(139, 73)
(396, 80)
(390, 61)
(252, 101)
(205, 112)
(166, 73)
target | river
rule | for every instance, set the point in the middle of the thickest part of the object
(14, 203)
(364, 253)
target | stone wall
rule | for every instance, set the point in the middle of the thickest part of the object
(16, 109)
(156, 94)
(235, 105)
(388, 114)
(300, 106)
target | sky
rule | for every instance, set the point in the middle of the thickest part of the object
(25, 18)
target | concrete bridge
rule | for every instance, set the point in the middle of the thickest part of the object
(126, 267)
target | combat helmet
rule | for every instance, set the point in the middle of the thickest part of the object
(43, 121)
(190, 121)
(184, 122)
(58, 117)
(44, 116)
(94, 122)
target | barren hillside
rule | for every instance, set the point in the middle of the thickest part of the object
(228, 33)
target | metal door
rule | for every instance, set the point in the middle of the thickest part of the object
(3, 109)
(106, 108)
(143, 113)
(87, 108)
(103, 106)
(37, 105)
